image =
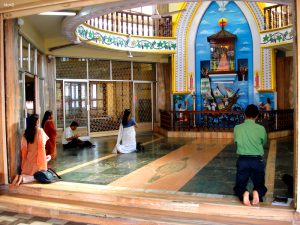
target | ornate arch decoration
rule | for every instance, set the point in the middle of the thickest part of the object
(186, 34)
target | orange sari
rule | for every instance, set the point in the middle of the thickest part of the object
(33, 155)
(50, 130)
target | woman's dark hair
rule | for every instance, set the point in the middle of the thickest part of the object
(125, 117)
(46, 117)
(269, 100)
(31, 128)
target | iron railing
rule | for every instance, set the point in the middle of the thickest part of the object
(204, 120)
(277, 16)
(138, 24)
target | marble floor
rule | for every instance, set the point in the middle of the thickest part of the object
(173, 164)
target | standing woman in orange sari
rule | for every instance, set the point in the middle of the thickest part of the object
(50, 130)
(33, 154)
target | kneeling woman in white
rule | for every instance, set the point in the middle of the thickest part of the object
(126, 142)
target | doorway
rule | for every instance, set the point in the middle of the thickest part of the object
(143, 103)
(29, 98)
(76, 105)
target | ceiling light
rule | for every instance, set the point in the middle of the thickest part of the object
(58, 14)
(129, 55)
(77, 41)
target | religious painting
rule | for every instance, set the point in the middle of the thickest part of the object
(222, 49)
(242, 69)
(205, 67)
(222, 57)
(183, 101)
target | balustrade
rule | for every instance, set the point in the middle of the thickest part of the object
(274, 120)
(138, 24)
(277, 16)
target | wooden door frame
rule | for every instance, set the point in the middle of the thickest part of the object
(297, 101)
(3, 146)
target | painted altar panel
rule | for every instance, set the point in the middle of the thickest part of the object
(263, 96)
(185, 100)
(243, 58)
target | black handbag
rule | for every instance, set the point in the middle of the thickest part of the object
(47, 176)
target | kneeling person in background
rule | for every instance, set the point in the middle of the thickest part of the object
(71, 140)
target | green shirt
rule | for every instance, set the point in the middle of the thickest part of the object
(250, 138)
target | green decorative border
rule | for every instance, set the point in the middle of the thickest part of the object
(276, 37)
(126, 43)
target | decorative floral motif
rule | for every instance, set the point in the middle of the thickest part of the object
(277, 36)
(128, 43)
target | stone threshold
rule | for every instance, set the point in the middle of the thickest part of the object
(98, 203)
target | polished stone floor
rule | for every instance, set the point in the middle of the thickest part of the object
(173, 164)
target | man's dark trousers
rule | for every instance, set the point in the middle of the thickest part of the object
(250, 167)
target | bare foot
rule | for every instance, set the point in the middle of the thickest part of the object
(255, 198)
(48, 158)
(246, 200)
(15, 181)
(20, 180)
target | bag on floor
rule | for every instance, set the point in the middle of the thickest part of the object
(46, 176)
(140, 147)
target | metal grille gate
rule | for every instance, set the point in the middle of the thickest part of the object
(96, 92)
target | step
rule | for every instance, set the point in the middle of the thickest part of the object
(153, 201)
(112, 214)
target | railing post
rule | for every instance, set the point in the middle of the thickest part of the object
(265, 20)
(112, 21)
(122, 25)
(126, 15)
(270, 18)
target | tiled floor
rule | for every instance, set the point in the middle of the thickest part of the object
(202, 165)
(11, 218)
(176, 164)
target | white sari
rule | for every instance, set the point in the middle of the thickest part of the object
(127, 136)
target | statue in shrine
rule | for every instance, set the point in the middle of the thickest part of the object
(222, 49)
(223, 63)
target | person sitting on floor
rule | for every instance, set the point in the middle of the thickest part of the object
(71, 140)
(127, 135)
(33, 153)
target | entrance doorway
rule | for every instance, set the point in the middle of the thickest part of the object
(75, 105)
(143, 104)
(29, 97)
(98, 105)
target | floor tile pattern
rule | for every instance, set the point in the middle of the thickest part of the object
(109, 170)
(284, 164)
(218, 176)
(67, 158)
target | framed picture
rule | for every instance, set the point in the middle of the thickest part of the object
(242, 69)
(205, 68)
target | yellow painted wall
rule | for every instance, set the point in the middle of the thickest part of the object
(33, 36)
